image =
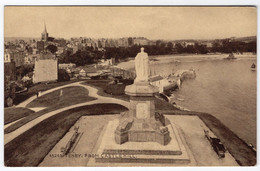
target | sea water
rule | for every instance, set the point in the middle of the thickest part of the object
(223, 88)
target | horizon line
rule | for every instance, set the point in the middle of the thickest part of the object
(129, 37)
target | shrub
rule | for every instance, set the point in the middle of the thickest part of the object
(63, 75)
(115, 89)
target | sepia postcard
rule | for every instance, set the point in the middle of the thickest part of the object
(130, 86)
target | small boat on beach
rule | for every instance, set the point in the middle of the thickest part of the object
(231, 57)
(253, 67)
(180, 99)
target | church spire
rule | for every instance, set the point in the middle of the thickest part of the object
(44, 33)
(45, 30)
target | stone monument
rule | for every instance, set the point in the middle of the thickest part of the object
(141, 135)
(140, 124)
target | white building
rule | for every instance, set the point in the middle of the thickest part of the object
(82, 73)
(157, 81)
(67, 66)
(140, 41)
(45, 70)
(7, 57)
(106, 62)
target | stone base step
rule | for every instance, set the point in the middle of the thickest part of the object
(142, 159)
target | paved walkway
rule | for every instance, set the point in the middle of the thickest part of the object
(37, 109)
(9, 124)
(92, 92)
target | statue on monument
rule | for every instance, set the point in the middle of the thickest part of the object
(142, 66)
(141, 123)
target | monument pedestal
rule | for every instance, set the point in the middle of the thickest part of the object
(175, 152)
(140, 124)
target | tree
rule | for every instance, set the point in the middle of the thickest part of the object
(216, 47)
(202, 49)
(190, 49)
(81, 58)
(52, 48)
(24, 70)
(63, 75)
(64, 57)
(179, 48)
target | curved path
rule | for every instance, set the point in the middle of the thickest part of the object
(92, 92)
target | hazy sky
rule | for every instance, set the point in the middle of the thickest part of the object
(115, 22)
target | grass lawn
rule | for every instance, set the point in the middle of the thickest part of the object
(238, 148)
(71, 96)
(39, 87)
(30, 148)
(101, 85)
(14, 113)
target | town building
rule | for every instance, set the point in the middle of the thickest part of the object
(107, 62)
(16, 56)
(152, 43)
(67, 66)
(157, 81)
(60, 50)
(32, 58)
(141, 41)
(123, 42)
(130, 41)
(9, 83)
(82, 73)
(40, 46)
(60, 42)
(45, 69)
(207, 44)
(7, 56)
(91, 71)
(9, 71)
(188, 44)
